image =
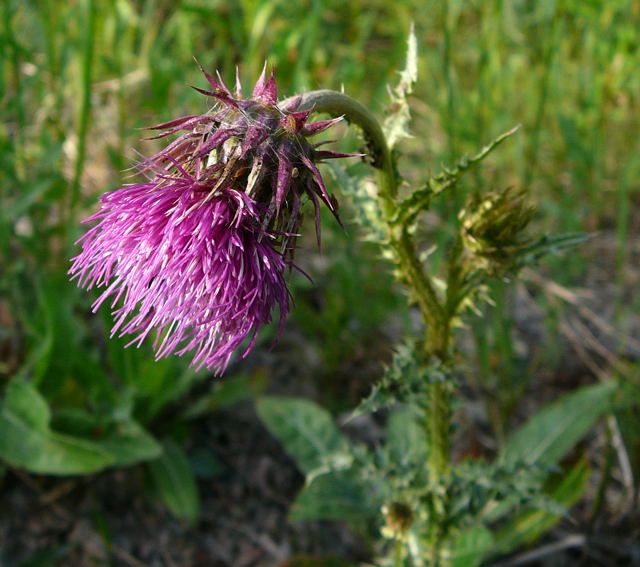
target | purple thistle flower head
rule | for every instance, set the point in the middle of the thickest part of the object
(259, 144)
(197, 254)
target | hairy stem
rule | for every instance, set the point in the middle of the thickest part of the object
(436, 312)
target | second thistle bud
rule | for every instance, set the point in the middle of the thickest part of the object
(493, 227)
(399, 517)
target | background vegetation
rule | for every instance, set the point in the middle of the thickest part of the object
(79, 79)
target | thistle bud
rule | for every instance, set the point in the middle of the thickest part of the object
(398, 517)
(493, 227)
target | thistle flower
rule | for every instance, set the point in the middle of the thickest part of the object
(197, 253)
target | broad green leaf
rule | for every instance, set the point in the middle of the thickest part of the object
(126, 440)
(129, 443)
(556, 428)
(406, 437)
(529, 525)
(174, 483)
(628, 421)
(307, 433)
(26, 403)
(336, 495)
(468, 548)
(28, 442)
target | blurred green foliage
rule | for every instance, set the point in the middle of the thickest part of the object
(78, 79)
(353, 483)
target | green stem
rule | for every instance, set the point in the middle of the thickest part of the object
(437, 313)
(398, 560)
(340, 104)
(551, 49)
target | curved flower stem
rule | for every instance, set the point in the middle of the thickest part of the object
(339, 104)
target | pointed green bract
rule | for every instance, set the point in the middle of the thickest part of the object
(420, 199)
(396, 124)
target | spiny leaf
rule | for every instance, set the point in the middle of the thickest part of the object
(366, 204)
(548, 245)
(404, 381)
(420, 200)
(530, 524)
(396, 125)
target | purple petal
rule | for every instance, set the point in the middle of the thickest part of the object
(326, 154)
(292, 104)
(266, 89)
(320, 126)
(295, 121)
(285, 169)
(218, 86)
(198, 282)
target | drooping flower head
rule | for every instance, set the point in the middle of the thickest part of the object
(196, 255)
